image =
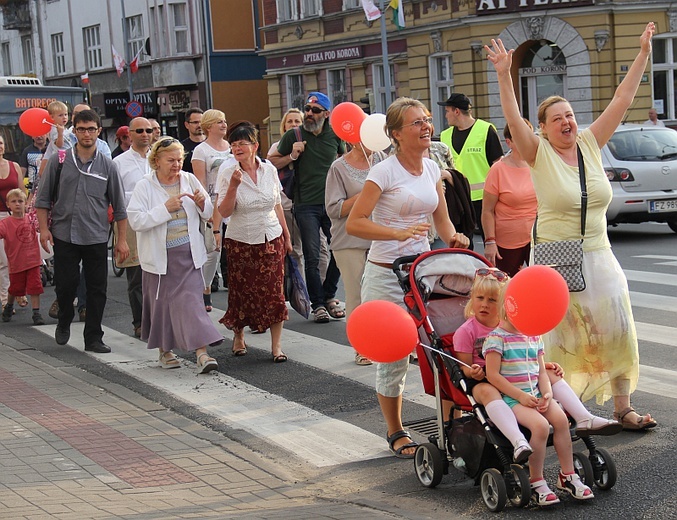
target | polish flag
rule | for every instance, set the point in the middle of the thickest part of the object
(85, 79)
(118, 61)
(134, 65)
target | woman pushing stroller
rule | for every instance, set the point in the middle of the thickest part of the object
(507, 366)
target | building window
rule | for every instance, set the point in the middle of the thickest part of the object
(286, 10)
(135, 37)
(441, 86)
(311, 8)
(158, 27)
(336, 86)
(180, 28)
(92, 41)
(6, 59)
(664, 71)
(27, 48)
(58, 55)
(351, 4)
(295, 93)
(380, 89)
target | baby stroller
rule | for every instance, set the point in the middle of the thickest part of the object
(437, 287)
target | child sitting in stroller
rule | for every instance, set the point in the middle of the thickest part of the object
(482, 313)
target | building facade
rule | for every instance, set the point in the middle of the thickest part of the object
(579, 49)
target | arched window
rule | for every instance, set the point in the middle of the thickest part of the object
(542, 74)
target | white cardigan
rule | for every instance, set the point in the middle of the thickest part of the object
(148, 216)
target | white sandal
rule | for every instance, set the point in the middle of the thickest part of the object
(598, 426)
(169, 360)
(206, 364)
(545, 497)
(573, 485)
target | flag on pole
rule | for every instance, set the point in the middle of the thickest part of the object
(118, 61)
(398, 13)
(134, 65)
(85, 79)
(370, 10)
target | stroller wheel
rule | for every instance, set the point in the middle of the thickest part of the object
(429, 464)
(519, 489)
(494, 492)
(604, 469)
(583, 467)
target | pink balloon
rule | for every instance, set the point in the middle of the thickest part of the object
(382, 331)
(536, 300)
(35, 122)
(345, 120)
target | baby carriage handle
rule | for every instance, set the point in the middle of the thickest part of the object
(400, 270)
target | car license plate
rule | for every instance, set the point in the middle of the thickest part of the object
(659, 206)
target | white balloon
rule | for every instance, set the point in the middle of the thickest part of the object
(373, 134)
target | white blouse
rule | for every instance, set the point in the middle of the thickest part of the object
(254, 220)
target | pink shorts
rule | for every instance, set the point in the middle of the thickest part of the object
(26, 282)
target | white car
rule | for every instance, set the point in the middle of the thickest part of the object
(641, 163)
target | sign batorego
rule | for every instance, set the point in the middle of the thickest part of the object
(512, 6)
(115, 103)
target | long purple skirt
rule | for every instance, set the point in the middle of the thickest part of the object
(174, 315)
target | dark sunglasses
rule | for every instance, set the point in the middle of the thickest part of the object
(142, 130)
(493, 272)
(164, 143)
(314, 110)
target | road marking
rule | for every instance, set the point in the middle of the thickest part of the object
(656, 333)
(657, 381)
(653, 301)
(671, 260)
(647, 277)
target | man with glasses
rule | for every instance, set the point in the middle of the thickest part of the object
(312, 157)
(157, 130)
(133, 165)
(474, 145)
(195, 136)
(78, 185)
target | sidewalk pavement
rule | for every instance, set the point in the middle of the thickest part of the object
(74, 446)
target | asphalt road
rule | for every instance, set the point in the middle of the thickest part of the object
(319, 380)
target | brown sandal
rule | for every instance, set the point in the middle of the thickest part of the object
(644, 422)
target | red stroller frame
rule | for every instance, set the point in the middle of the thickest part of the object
(437, 286)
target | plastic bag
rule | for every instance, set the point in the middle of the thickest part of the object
(295, 288)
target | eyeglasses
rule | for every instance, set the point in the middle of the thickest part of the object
(88, 130)
(241, 144)
(419, 122)
(493, 272)
(164, 143)
(193, 122)
(142, 130)
(314, 110)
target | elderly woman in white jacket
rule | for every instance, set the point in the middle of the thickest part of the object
(166, 210)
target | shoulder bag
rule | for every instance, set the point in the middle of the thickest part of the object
(287, 173)
(566, 256)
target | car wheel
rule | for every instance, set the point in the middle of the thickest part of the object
(673, 225)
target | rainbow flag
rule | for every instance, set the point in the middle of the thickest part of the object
(398, 13)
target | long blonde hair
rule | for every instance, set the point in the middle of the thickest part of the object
(484, 285)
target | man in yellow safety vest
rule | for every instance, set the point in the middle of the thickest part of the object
(474, 145)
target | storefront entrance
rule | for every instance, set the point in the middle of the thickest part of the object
(543, 74)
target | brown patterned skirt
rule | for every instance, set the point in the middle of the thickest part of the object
(255, 285)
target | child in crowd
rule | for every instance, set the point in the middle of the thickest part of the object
(482, 313)
(515, 366)
(23, 255)
(59, 136)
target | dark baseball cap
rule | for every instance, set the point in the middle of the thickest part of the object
(457, 100)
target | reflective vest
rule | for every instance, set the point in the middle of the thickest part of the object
(472, 161)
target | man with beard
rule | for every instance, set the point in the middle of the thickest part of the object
(312, 156)
(79, 193)
(133, 165)
(195, 136)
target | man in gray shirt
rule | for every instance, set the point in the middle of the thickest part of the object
(87, 183)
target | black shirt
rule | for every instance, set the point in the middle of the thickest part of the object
(188, 145)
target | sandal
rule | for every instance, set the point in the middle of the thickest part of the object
(335, 310)
(280, 358)
(206, 364)
(321, 315)
(361, 360)
(398, 452)
(542, 495)
(22, 301)
(208, 302)
(644, 422)
(169, 360)
(239, 352)
(573, 485)
(597, 426)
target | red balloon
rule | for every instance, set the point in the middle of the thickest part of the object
(382, 331)
(35, 122)
(345, 120)
(536, 300)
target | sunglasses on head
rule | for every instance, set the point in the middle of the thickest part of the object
(142, 130)
(314, 110)
(493, 272)
(164, 143)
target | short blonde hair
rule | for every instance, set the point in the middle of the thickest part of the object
(283, 123)
(485, 285)
(210, 117)
(162, 145)
(546, 104)
(56, 107)
(16, 192)
(395, 116)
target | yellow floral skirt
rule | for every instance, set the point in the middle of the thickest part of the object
(596, 342)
